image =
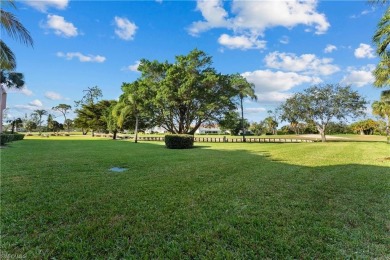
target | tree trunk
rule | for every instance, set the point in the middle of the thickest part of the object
(114, 135)
(322, 133)
(242, 120)
(136, 129)
(192, 132)
(388, 130)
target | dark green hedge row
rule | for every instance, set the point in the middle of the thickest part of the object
(176, 141)
(6, 138)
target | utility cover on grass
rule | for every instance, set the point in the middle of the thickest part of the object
(118, 169)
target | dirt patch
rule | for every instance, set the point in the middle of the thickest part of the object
(328, 137)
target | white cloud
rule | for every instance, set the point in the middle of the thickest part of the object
(36, 103)
(255, 17)
(125, 29)
(359, 77)
(330, 48)
(364, 12)
(267, 80)
(240, 42)
(81, 57)
(133, 67)
(307, 63)
(214, 14)
(272, 86)
(25, 91)
(364, 51)
(60, 26)
(272, 96)
(284, 40)
(53, 95)
(254, 110)
(43, 5)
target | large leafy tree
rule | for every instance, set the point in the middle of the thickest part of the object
(88, 114)
(15, 29)
(320, 104)
(93, 116)
(245, 90)
(382, 109)
(185, 94)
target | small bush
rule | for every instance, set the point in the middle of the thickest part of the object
(18, 137)
(179, 141)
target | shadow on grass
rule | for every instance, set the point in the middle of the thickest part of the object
(58, 201)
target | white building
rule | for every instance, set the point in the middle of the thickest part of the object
(209, 129)
(156, 129)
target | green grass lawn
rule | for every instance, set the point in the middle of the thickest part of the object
(221, 200)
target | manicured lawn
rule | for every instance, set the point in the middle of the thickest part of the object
(308, 200)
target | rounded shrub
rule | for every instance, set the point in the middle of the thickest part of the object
(179, 141)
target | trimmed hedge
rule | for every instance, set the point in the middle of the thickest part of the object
(179, 141)
(6, 138)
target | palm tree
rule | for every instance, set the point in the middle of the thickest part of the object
(15, 30)
(40, 113)
(244, 90)
(382, 109)
(381, 39)
(126, 106)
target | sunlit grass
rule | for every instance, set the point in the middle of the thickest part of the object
(225, 200)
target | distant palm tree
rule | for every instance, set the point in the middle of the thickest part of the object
(15, 30)
(40, 113)
(382, 109)
(244, 90)
(126, 106)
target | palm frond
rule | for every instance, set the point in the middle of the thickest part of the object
(7, 57)
(14, 28)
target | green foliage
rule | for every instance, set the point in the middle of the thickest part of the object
(30, 125)
(257, 128)
(365, 127)
(63, 109)
(231, 122)
(15, 29)
(12, 79)
(92, 94)
(6, 138)
(381, 39)
(180, 96)
(244, 90)
(179, 141)
(320, 104)
(271, 125)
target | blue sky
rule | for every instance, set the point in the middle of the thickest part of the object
(280, 46)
